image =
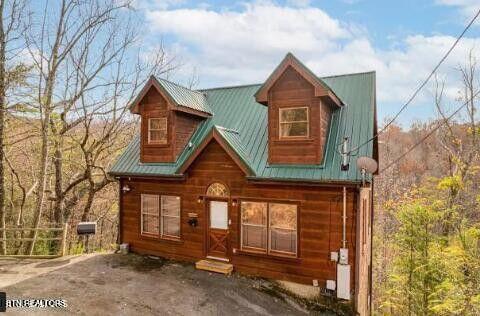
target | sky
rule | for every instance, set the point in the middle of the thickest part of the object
(228, 43)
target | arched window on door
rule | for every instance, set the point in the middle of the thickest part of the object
(217, 189)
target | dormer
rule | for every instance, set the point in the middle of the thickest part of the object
(169, 115)
(300, 106)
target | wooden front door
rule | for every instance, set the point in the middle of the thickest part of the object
(217, 232)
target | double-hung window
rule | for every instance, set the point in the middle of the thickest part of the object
(157, 130)
(293, 123)
(269, 228)
(160, 215)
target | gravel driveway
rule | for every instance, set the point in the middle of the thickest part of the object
(115, 284)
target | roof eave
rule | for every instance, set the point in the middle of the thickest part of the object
(184, 109)
(330, 182)
(144, 175)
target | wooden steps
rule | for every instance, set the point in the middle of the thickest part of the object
(214, 266)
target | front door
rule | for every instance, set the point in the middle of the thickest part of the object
(217, 232)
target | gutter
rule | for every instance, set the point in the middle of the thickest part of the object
(341, 183)
(118, 175)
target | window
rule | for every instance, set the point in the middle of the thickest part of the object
(150, 214)
(217, 189)
(293, 122)
(157, 130)
(171, 216)
(283, 228)
(254, 225)
(269, 228)
(160, 215)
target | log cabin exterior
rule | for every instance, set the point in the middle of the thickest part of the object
(252, 175)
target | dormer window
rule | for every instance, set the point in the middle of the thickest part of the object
(157, 130)
(294, 123)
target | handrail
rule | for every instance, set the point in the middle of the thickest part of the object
(39, 228)
(51, 229)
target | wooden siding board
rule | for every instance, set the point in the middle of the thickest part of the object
(319, 234)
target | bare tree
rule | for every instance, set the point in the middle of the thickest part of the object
(11, 19)
(88, 66)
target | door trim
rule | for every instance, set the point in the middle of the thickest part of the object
(207, 228)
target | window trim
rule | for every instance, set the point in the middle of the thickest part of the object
(280, 122)
(160, 216)
(267, 252)
(142, 213)
(149, 129)
(248, 248)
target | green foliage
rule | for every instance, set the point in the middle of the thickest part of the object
(459, 292)
(415, 273)
(453, 183)
(77, 249)
(433, 273)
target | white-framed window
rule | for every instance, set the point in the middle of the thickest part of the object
(160, 215)
(157, 130)
(269, 228)
(293, 122)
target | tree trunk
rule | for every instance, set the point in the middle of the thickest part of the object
(42, 184)
(3, 244)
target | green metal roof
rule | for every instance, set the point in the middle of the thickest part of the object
(185, 97)
(242, 122)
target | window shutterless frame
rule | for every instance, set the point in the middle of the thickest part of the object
(282, 123)
(160, 217)
(163, 216)
(163, 121)
(143, 212)
(242, 224)
(268, 251)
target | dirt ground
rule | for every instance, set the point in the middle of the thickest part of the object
(115, 284)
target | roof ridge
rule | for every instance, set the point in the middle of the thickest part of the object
(231, 87)
(178, 85)
(259, 84)
(227, 129)
(349, 74)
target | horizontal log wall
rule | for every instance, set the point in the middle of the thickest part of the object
(320, 222)
(292, 90)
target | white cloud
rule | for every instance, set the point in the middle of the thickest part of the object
(467, 7)
(236, 47)
(298, 3)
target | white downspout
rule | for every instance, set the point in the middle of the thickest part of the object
(343, 268)
(344, 218)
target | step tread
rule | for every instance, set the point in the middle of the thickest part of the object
(214, 266)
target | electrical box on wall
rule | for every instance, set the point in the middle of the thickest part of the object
(343, 256)
(343, 281)
(331, 285)
(334, 256)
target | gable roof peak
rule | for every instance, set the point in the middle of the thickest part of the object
(321, 88)
(178, 96)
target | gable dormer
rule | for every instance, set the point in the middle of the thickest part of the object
(299, 111)
(169, 115)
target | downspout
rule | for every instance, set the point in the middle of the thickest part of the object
(344, 218)
(343, 268)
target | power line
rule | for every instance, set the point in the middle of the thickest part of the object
(430, 133)
(422, 85)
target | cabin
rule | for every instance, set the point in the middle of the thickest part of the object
(261, 179)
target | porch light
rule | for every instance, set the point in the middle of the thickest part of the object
(126, 188)
(234, 202)
(200, 199)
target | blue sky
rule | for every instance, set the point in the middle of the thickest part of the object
(229, 43)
